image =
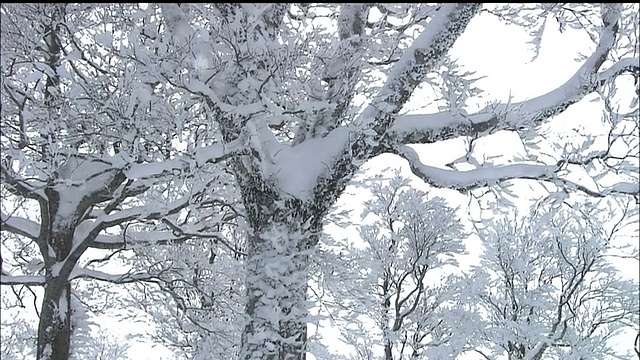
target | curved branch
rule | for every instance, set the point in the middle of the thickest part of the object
(19, 226)
(472, 179)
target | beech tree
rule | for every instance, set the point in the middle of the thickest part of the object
(288, 101)
(296, 137)
(548, 288)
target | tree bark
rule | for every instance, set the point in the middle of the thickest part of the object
(276, 285)
(54, 328)
(277, 273)
(56, 242)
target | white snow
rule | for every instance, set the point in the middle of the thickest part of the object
(63, 306)
(298, 167)
(481, 176)
(79, 178)
(25, 227)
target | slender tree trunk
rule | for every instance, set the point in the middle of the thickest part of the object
(277, 275)
(54, 329)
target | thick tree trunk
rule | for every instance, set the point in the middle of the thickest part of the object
(54, 329)
(277, 274)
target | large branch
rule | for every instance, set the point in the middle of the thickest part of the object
(430, 128)
(177, 234)
(21, 280)
(446, 25)
(472, 179)
(112, 278)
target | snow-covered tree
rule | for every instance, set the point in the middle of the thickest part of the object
(289, 100)
(284, 88)
(548, 286)
(86, 135)
(398, 275)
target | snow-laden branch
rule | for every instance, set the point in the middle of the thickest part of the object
(184, 231)
(21, 280)
(81, 273)
(112, 242)
(201, 155)
(471, 179)
(177, 235)
(20, 226)
(430, 128)
(446, 25)
(476, 178)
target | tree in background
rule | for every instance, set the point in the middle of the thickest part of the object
(198, 305)
(548, 286)
(288, 101)
(398, 275)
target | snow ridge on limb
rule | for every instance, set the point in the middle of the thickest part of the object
(471, 179)
(22, 280)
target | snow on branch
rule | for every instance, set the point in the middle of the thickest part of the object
(429, 128)
(446, 25)
(19, 186)
(21, 280)
(177, 235)
(112, 278)
(471, 179)
(476, 178)
(112, 242)
(20, 226)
